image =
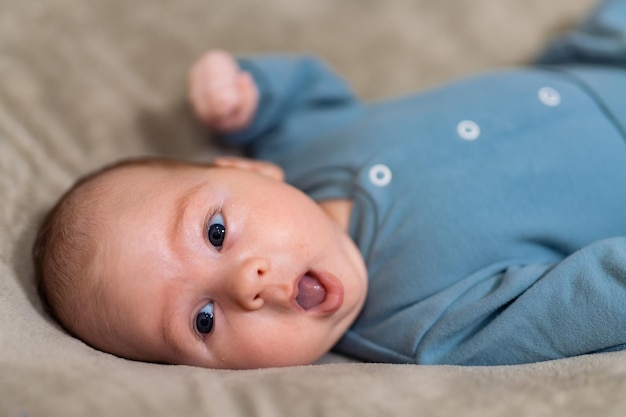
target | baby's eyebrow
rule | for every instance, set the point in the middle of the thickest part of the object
(170, 338)
(180, 207)
(169, 321)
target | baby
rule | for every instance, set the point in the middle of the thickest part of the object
(480, 223)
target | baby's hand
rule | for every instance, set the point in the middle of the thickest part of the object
(222, 96)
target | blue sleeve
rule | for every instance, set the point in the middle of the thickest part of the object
(287, 85)
(600, 39)
(561, 310)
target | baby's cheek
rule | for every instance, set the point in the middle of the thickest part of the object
(275, 345)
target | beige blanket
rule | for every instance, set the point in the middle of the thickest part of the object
(86, 82)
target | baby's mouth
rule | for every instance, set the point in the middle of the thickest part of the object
(311, 292)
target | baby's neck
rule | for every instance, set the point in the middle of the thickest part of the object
(339, 210)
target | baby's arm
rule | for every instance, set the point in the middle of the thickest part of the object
(570, 308)
(246, 98)
(222, 95)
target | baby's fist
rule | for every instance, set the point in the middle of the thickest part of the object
(222, 96)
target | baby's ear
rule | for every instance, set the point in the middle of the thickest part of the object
(265, 168)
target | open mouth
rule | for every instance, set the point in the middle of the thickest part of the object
(311, 292)
(319, 292)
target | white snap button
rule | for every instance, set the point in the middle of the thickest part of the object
(468, 130)
(549, 96)
(380, 175)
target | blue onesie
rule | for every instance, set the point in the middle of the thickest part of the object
(491, 213)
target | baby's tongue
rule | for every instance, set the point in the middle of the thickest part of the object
(310, 292)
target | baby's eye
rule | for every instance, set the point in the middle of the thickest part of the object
(216, 231)
(204, 319)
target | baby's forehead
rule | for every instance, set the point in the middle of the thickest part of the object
(114, 187)
(135, 185)
(131, 188)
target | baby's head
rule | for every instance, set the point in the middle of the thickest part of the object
(221, 266)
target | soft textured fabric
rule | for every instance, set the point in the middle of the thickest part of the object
(490, 212)
(83, 83)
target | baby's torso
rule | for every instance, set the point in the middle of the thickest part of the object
(513, 168)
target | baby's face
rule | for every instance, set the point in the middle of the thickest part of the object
(222, 268)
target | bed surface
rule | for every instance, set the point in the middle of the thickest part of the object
(83, 83)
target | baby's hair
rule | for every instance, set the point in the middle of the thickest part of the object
(67, 242)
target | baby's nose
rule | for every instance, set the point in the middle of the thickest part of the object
(247, 283)
(253, 285)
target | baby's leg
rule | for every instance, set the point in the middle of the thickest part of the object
(600, 39)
